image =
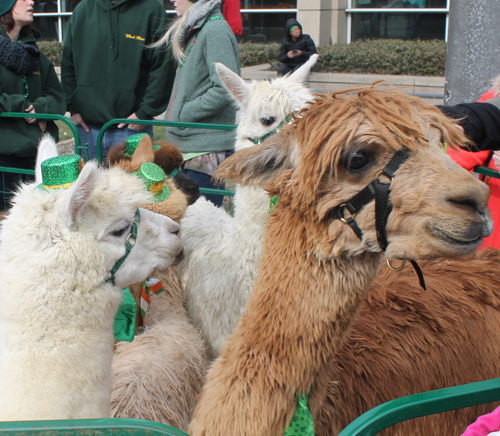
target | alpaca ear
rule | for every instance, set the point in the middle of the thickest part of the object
(79, 193)
(234, 84)
(47, 148)
(302, 73)
(261, 164)
(143, 153)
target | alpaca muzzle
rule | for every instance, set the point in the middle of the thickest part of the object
(383, 206)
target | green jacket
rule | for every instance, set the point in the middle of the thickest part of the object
(107, 71)
(199, 95)
(18, 138)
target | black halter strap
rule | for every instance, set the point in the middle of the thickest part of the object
(383, 206)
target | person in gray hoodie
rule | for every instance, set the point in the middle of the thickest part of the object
(199, 38)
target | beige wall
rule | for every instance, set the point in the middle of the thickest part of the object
(324, 20)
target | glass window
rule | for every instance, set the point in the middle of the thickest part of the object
(48, 27)
(262, 27)
(398, 4)
(398, 25)
(268, 4)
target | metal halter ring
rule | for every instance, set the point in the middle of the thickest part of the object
(396, 269)
(377, 176)
(343, 209)
(127, 241)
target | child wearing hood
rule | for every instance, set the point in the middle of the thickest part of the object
(296, 48)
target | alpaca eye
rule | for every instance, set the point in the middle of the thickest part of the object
(267, 121)
(120, 232)
(359, 159)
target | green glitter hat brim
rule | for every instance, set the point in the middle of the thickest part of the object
(155, 147)
(163, 196)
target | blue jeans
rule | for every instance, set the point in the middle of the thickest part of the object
(111, 137)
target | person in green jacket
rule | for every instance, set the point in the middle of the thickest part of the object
(108, 71)
(199, 38)
(28, 83)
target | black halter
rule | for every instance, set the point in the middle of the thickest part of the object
(383, 207)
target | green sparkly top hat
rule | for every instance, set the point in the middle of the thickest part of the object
(133, 142)
(154, 177)
(61, 171)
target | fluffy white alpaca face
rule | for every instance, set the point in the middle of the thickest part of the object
(81, 232)
(113, 204)
(264, 105)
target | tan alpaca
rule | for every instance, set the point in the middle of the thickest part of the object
(315, 271)
(159, 375)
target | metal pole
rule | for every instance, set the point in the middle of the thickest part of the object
(473, 53)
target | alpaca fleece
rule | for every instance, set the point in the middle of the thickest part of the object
(217, 245)
(315, 272)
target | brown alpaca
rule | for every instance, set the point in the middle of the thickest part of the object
(406, 340)
(168, 157)
(314, 271)
(159, 375)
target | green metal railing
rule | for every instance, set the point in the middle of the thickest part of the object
(487, 172)
(80, 149)
(369, 424)
(100, 136)
(94, 427)
(427, 403)
(62, 118)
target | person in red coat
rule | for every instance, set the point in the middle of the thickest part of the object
(232, 14)
(469, 160)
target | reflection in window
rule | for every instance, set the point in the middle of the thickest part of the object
(268, 4)
(265, 27)
(399, 4)
(401, 25)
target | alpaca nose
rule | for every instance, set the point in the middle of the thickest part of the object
(475, 195)
(173, 227)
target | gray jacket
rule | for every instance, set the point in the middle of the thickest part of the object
(198, 95)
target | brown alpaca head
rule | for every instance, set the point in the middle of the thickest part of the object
(335, 148)
(175, 205)
(168, 157)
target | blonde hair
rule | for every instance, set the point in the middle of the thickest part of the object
(172, 35)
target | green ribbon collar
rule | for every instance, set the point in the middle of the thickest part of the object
(302, 423)
(260, 140)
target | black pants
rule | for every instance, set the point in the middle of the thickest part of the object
(285, 69)
(10, 181)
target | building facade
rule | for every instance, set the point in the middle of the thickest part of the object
(327, 21)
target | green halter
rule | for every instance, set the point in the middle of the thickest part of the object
(260, 140)
(128, 246)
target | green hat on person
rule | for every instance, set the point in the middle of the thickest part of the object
(132, 143)
(154, 177)
(61, 171)
(6, 6)
(293, 27)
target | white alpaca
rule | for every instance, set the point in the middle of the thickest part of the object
(160, 373)
(222, 253)
(57, 248)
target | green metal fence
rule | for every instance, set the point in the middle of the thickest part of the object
(94, 427)
(100, 136)
(369, 424)
(426, 403)
(82, 150)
